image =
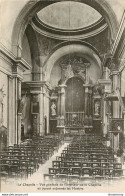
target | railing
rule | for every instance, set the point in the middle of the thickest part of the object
(74, 119)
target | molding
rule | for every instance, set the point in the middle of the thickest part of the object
(42, 25)
(6, 59)
(67, 37)
(104, 81)
(7, 53)
(114, 72)
(23, 64)
(64, 32)
(35, 92)
(88, 85)
(36, 84)
(10, 58)
(5, 71)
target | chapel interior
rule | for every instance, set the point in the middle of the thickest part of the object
(62, 84)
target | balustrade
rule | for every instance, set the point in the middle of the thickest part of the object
(74, 119)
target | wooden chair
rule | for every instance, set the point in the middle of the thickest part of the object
(86, 171)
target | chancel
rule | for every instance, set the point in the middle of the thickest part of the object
(62, 89)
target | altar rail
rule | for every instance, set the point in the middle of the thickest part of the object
(74, 119)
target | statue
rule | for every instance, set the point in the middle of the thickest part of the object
(53, 109)
(97, 108)
(69, 72)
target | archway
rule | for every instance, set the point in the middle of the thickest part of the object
(66, 48)
(31, 8)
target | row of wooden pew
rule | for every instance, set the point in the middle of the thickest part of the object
(24, 159)
(86, 157)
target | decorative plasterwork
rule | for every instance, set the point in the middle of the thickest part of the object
(73, 66)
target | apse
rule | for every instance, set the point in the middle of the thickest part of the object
(75, 95)
(78, 62)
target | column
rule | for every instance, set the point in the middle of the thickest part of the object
(62, 99)
(19, 114)
(115, 86)
(62, 102)
(15, 100)
(59, 103)
(116, 105)
(10, 112)
(124, 124)
(86, 104)
(105, 118)
(46, 109)
(41, 101)
(90, 106)
(17, 119)
(87, 97)
(106, 82)
(58, 107)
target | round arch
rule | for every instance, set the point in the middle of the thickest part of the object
(77, 76)
(83, 49)
(25, 16)
(34, 48)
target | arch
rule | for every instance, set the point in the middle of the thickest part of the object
(64, 49)
(34, 48)
(32, 39)
(76, 76)
(78, 42)
(26, 14)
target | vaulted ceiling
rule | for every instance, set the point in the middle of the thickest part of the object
(68, 15)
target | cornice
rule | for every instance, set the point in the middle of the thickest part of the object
(104, 81)
(9, 57)
(36, 84)
(60, 31)
(69, 36)
(5, 71)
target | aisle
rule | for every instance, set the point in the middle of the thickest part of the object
(43, 169)
(34, 181)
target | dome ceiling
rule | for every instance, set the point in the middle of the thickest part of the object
(69, 15)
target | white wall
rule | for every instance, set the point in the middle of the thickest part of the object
(4, 84)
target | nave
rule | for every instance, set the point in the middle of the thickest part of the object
(62, 159)
(62, 94)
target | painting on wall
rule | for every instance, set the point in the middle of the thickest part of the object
(35, 108)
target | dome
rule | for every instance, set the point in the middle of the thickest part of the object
(68, 15)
